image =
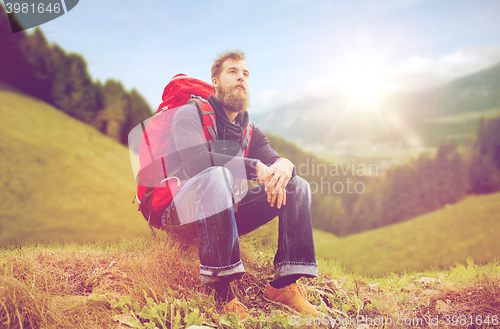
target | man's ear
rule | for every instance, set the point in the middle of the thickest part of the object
(215, 85)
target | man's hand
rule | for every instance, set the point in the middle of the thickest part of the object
(275, 178)
(262, 171)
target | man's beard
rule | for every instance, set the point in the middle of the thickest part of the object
(232, 99)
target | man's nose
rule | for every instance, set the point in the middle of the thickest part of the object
(241, 77)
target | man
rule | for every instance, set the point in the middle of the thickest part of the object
(208, 199)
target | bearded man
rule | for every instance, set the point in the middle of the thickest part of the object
(207, 198)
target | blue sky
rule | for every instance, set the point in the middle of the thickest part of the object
(294, 48)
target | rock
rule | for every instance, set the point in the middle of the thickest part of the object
(426, 281)
(337, 284)
(363, 326)
(427, 294)
(441, 307)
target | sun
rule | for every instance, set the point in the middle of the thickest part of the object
(363, 83)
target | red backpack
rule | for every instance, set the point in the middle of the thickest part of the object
(155, 188)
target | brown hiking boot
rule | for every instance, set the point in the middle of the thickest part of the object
(292, 297)
(235, 306)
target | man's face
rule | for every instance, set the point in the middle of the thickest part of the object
(231, 88)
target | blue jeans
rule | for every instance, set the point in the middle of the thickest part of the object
(207, 199)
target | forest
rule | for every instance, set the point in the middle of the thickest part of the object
(47, 72)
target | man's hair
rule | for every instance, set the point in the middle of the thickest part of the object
(237, 55)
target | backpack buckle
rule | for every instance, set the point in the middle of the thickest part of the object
(198, 97)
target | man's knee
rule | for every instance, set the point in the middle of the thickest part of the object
(219, 178)
(300, 186)
(205, 195)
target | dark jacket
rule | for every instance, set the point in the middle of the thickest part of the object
(187, 134)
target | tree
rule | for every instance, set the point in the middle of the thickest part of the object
(14, 68)
(138, 112)
(113, 116)
(36, 51)
(367, 211)
(484, 176)
(410, 190)
(28, 63)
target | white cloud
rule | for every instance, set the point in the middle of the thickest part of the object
(427, 72)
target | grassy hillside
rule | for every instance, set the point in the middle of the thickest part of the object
(468, 229)
(148, 283)
(475, 92)
(60, 178)
(438, 239)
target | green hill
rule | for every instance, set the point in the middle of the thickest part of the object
(476, 92)
(60, 178)
(405, 119)
(438, 239)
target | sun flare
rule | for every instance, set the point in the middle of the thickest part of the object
(364, 84)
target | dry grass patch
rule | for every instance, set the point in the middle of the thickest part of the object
(80, 286)
(472, 300)
(62, 285)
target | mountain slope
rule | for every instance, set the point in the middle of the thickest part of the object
(473, 93)
(401, 120)
(60, 178)
(441, 238)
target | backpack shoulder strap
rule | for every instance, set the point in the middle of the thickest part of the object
(247, 139)
(207, 117)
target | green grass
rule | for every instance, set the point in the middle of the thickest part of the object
(59, 178)
(141, 280)
(435, 240)
(438, 239)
